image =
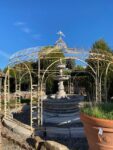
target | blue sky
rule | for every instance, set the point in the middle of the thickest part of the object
(29, 23)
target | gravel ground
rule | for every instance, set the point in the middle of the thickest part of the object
(10, 140)
(73, 144)
(8, 145)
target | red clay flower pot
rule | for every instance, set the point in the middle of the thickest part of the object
(98, 140)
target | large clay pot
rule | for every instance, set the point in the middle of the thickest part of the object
(97, 139)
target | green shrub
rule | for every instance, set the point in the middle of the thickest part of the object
(103, 110)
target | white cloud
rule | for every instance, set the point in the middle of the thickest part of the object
(19, 23)
(22, 26)
(26, 30)
(4, 54)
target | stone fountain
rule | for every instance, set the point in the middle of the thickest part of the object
(61, 78)
(61, 110)
(61, 103)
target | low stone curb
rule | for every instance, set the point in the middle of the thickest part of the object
(22, 145)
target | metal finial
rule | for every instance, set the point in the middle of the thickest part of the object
(61, 34)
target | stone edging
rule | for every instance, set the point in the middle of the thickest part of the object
(15, 141)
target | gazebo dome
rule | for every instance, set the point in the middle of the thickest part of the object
(61, 44)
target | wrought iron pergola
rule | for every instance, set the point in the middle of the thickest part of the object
(18, 63)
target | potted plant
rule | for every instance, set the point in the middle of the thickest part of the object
(98, 125)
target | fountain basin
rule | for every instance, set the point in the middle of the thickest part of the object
(61, 66)
(63, 105)
(62, 77)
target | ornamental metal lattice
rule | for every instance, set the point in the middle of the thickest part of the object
(19, 63)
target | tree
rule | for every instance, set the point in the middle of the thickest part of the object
(101, 55)
(101, 45)
(70, 64)
(49, 55)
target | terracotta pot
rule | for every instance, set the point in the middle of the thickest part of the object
(98, 140)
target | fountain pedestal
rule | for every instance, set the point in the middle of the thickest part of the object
(61, 78)
(61, 93)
